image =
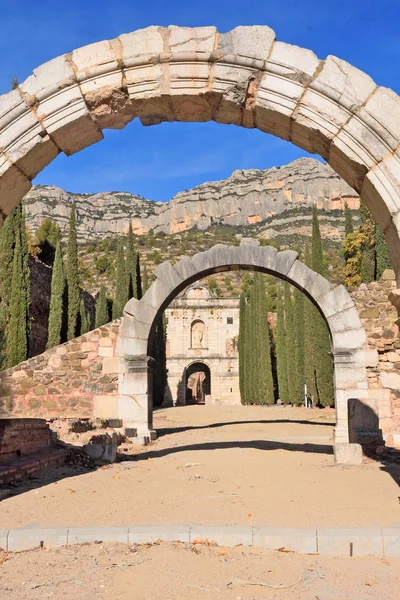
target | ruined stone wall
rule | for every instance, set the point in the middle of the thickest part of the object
(378, 317)
(63, 381)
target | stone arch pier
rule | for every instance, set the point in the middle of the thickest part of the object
(244, 77)
(348, 338)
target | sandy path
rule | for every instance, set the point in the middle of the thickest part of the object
(242, 477)
(180, 571)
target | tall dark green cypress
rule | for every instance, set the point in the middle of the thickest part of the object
(101, 308)
(74, 297)
(131, 265)
(290, 344)
(142, 287)
(56, 300)
(264, 393)
(382, 253)
(158, 352)
(242, 346)
(7, 245)
(17, 338)
(121, 286)
(299, 344)
(281, 352)
(83, 319)
(348, 220)
(320, 340)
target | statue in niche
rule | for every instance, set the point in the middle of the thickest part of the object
(198, 333)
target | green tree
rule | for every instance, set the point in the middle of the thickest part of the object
(158, 352)
(368, 258)
(7, 245)
(18, 329)
(131, 265)
(348, 220)
(242, 346)
(58, 286)
(83, 318)
(299, 345)
(264, 393)
(101, 308)
(141, 288)
(383, 261)
(281, 350)
(121, 286)
(320, 340)
(48, 231)
(74, 297)
(290, 344)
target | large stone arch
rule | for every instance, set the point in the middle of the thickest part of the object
(348, 338)
(244, 77)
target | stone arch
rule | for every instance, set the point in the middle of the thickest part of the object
(348, 338)
(244, 77)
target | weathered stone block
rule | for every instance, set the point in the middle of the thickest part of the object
(347, 454)
(249, 46)
(284, 261)
(24, 539)
(83, 535)
(222, 535)
(303, 541)
(152, 533)
(105, 407)
(390, 380)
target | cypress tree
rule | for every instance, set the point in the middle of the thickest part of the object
(121, 286)
(131, 265)
(56, 301)
(142, 287)
(242, 346)
(290, 344)
(382, 253)
(281, 352)
(264, 392)
(309, 320)
(7, 245)
(299, 344)
(101, 308)
(348, 221)
(367, 228)
(17, 345)
(74, 297)
(320, 340)
(83, 318)
(158, 352)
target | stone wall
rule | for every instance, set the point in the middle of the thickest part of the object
(22, 437)
(378, 317)
(80, 378)
(63, 381)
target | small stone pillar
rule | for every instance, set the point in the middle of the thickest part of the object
(136, 397)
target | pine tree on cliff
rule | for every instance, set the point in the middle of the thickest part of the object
(382, 253)
(101, 308)
(348, 221)
(290, 344)
(320, 340)
(131, 265)
(281, 352)
(17, 338)
(299, 344)
(58, 284)
(242, 346)
(264, 393)
(74, 296)
(121, 285)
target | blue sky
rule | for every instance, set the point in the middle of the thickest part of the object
(156, 162)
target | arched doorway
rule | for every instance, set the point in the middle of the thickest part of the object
(198, 383)
(348, 337)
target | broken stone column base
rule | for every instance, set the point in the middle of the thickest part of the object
(347, 454)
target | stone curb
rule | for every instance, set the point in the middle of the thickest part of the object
(320, 540)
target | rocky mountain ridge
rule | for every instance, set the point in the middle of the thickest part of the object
(273, 200)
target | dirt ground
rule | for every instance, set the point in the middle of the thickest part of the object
(269, 466)
(193, 572)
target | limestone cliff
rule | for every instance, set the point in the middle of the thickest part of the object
(273, 199)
